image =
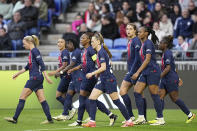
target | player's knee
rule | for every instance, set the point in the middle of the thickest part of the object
(122, 92)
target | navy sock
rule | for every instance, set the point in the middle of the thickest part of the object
(122, 108)
(82, 105)
(67, 104)
(182, 106)
(163, 104)
(92, 107)
(139, 103)
(60, 99)
(157, 105)
(127, 102)
(19, 109)
(145, 107)
(46, 110)
(102, 107)
(87, 106)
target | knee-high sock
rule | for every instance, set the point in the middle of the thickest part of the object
(60, 99)
(145, 107)
(92, 108)
(46, 110)
(102, 107)
(157, 105)
(122, 108)
(67, 104)
(182, 106)
(87, 106)
(139, 103)
(127, 102)
(163, 104)
(82, 106)
(19, 109)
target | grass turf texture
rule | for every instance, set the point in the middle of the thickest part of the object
(30, 121)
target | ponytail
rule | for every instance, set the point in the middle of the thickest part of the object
(154, 38)
(101, 39)
(33, 38)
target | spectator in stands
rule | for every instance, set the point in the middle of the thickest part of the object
(95, 23)
(51, 4)
(6, 9)
(5, 41)
(148, 20)
(125, 7)
(158, 12)
(119, 18)
(69, 34)
(182, 44)
(151, 5)
(65, 4)
(89, 12)
(159, 33)
(76, 23)
(183, 25)
(109, 28)
(194, 28)
(83, 28)
(191, 7)
(176, 12)
(2, 23)
(16, 30)
(116, 4)
(184, 4)
(193, 46)
(29, 15)
(140, 11)
(122, 27)
(106, 11)
(166, 25)
(19, 5)
(98, 4)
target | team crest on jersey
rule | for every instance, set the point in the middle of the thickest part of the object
(74, 57)
(137, 46)
(148, 50)
(65, 57)
(167, 60)
(102, 58)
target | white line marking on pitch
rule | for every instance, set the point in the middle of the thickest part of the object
(54, 129)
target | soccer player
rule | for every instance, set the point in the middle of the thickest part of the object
(88, 65)
(76, 79)
(133, 63)
(64, 60)
(106, 82)
(36, 69)
(149, 75)
(170, 79)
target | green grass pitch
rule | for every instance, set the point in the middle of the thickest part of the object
(30, 121)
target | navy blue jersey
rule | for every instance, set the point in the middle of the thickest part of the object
(148, 48)
(102, 57)
(88, 60)
(64, 57)
(35, 65)
(167, 59)
(76, 58)
(133, 57)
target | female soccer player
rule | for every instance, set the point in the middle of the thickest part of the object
(88, 65)
(169, 77)
(133, 63)
(36, 69)
(106, 82)
(149, 73)
(76, 79)
(64, 60)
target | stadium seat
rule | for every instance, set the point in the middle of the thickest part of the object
(57, 11)
(48, 22)
(116, 54)
(109, 43)
(54, 54)
(120, 43)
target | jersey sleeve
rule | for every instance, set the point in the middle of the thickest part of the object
(37, 56)
(74, 56)
(148, 47)
(27, 66)
(65, 56)
(93, 55)
(167, 58)
(102, 58)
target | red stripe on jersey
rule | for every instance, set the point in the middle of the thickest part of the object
(129, 49)
(84, 58)
(162, 62)
(30, 60)
(141, 52)
(98, 63)
(60, 60)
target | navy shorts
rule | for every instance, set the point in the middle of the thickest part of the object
(169, 85)
(153, 78)
(128, 78)
(34, 85)
(88, 84)
(64, 83)
(108, 85)
(75, 85)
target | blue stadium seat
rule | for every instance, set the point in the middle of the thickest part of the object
(54, 54)
(57, 11)
(120, 43)
(48, 22)
(109, 43)
(116, 54)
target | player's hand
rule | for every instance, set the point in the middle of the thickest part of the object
(180, 82)
(52, 73)
(89, 75)
(49, 80)
(57, 75)
(135, 76)
(15, 76)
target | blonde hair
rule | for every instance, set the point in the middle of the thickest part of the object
(101, 39)
(32, 38)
